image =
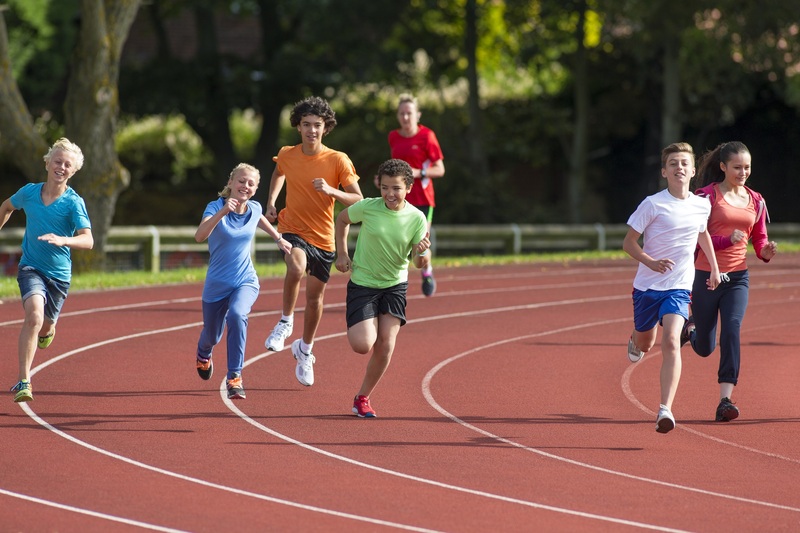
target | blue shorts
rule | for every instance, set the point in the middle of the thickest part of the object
(649, 307)
(54, 291)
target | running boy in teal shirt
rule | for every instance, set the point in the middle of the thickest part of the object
(393, 233)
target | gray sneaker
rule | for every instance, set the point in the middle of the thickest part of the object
(665, 422)
(279, 334)
(304, 372)
(634, 353)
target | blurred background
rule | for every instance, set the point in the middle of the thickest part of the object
(548, 111)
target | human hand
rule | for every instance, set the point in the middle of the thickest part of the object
(320, 185)
(660, 265)
(713, 281)
(52, 238)
(769, 251)
(284, 246)
(423, 245)
(231, 205)
(271, 214)
(343, 263)
(737, 236)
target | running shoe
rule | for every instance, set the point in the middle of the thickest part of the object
(726, 411)
(688, 331)
(205, 368)
(665, 422)
(277, 338)
(47, 340)
(24, 391)
(304, 372)
(428, 284)
(235, 388)
(634, 353)
(362, 408)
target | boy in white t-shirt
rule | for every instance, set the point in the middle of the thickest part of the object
(673, 223)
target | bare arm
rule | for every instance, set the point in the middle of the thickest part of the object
(631, 246)
(421, 257)
(704, 240)
(435, 170)
(350, 195)
(343, 222)
(82, 240)
(275, 186)
(208, 224)
(282, 243)
(6, 208)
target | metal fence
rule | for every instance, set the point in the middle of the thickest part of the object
(154, 248)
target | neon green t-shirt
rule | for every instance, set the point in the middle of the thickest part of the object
(385, 241)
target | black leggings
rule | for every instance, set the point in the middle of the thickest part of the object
(729, 301)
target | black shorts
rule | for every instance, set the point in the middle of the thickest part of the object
(364, 303)
(318, 261)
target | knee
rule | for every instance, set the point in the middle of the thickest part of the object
(360, 347)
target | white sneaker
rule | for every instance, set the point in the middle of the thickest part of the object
(634, 353)
(304, 372)
(665, 421)
(278, 336)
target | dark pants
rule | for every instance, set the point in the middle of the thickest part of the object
(729, 302)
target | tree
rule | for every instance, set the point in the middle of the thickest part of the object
(91, 108)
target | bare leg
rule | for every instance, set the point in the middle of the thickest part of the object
(315, 293)
(31, 326)
(671, 353)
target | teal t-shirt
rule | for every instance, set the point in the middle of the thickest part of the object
(66, 215)
(385, 241)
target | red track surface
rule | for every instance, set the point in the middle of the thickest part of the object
(510, 405)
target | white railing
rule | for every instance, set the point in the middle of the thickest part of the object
(150, 243)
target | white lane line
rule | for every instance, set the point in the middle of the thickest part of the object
(253, 360)
(432, 401)
(87, 512)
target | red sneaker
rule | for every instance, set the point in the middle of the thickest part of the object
(362, 408)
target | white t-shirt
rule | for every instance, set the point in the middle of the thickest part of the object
(670, 228)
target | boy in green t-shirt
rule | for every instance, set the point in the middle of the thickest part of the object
(391, 231)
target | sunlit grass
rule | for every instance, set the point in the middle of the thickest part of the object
(110, 280)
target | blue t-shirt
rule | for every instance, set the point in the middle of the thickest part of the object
(229, 264)
(66, 215)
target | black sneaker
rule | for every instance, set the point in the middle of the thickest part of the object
(235, 388)
(205, 368)
(686, 332)
(726, 411)
(428, 285)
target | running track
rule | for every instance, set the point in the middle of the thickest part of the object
(510, 405)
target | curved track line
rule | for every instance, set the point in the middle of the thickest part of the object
(628, 392)
(400, 474)
(95, 514)
(217, 486)
(429, 397)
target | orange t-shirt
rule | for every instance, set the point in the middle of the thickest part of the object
(309, 213)
(723, 220)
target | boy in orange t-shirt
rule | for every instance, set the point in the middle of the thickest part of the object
(315, 177)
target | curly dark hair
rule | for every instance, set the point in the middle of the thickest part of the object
(396, 167)
(313, 105)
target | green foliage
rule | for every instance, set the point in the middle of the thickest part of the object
(245, 128)
(165, 147)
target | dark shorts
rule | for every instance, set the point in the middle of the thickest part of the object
(54, 291)
(364, 303)
(427, 210)
(318, 261)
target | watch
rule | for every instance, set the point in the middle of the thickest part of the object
(423, 173)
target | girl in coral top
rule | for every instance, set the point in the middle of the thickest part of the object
(738, 215)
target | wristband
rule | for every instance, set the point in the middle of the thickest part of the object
(423, 254)
(280, 236)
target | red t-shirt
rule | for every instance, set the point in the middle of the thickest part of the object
(419, 151)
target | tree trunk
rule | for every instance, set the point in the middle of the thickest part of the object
(91, 110)
(577, 165)
(479, 175)
(19, 141)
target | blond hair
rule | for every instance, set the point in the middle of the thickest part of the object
(226, 192)
(407, 98)
(65, 145)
